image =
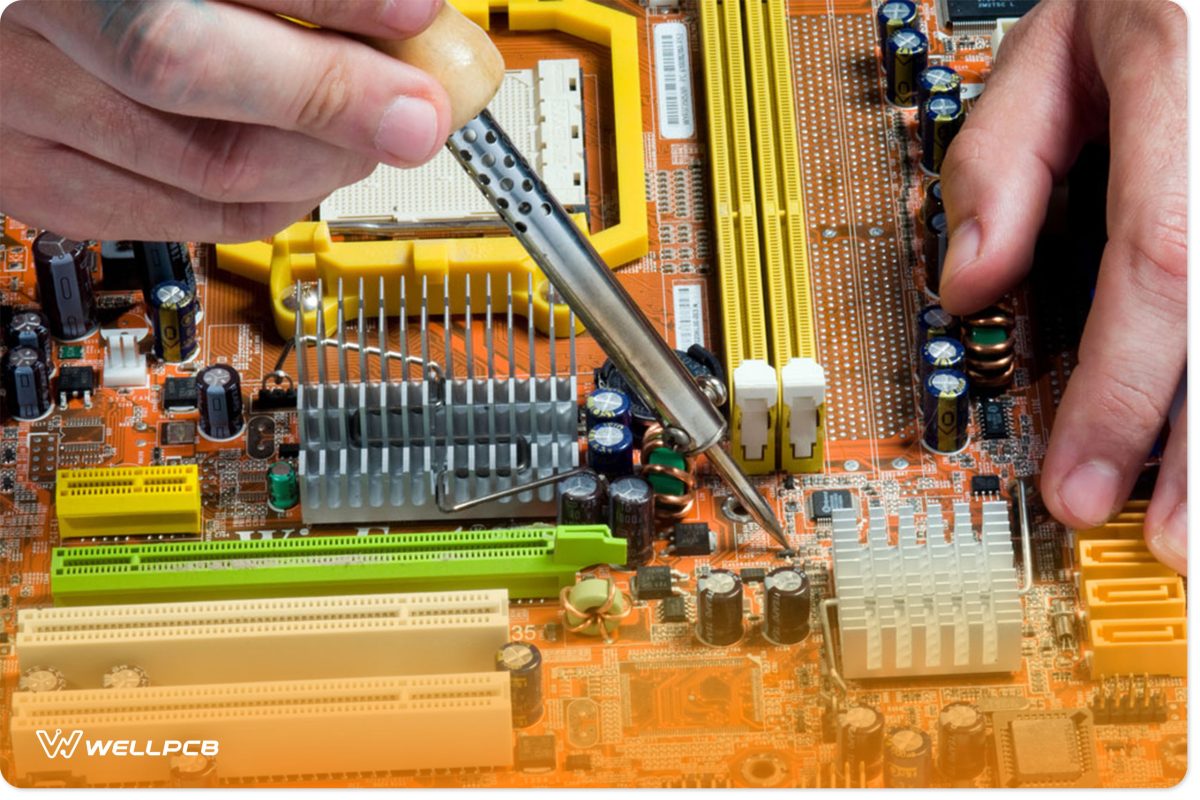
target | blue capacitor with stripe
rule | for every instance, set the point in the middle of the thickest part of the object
(940, 352)
(942, 117)
(947, 411)
(933, 80)
(904, 58)
(607, 405)
(610, 449)
(894, 15)
(934, 321)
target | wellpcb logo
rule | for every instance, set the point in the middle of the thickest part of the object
(59, 745)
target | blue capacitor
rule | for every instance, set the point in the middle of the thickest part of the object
(935, 321)
(940, 352)
(936, 80)
(606, 405)
(936, 243)
(904, 58)
(943, 117)
(946, 407)
(894, 15)
(610, 449)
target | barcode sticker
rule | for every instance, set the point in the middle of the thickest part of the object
(689, 315)
(676, 115)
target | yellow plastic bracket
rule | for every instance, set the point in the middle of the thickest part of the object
(304, 251)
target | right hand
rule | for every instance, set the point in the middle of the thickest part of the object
(214, 121)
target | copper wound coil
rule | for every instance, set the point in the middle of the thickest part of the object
(668, 506)
(990, 367)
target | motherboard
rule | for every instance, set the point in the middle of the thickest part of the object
(365, 504)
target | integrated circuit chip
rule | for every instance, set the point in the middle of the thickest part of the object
(1045, 748)
(536, 753)
(691, 539)
(652, 583)
(824, 502)
(953, 11)
(985, 484)
(993, 420)
(674, 609)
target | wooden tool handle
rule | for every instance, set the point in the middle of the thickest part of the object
(460, 55)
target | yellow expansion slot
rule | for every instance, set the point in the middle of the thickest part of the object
(128, 501)
(753, 384)
(799, 371)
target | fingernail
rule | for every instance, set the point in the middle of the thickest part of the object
(408, 130)
(963, 247)
(1169, 541)
(410, 15)
(1090, 491)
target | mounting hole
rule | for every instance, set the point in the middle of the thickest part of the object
(527, 185)
(490, 137)
(524, 208)
(465, 155)
(488, 160)
(469, 135)
(546, 209)
(502, 202)
(506, 184)
(733, 509)
(509, 162)
(484, 179)
(520, 226)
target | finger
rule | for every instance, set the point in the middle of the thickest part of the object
(227, 62)
(50, 97)
(1021, 136)
(1166, 519)
(131, 207)
(1133, 351)
(393, 18)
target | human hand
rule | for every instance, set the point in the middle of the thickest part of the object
(1071, 71)
(204, 121)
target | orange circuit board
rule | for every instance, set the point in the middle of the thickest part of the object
(929, 624)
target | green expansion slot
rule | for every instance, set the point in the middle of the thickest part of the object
(529, 562)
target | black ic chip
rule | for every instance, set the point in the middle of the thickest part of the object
(179, 393)
(289, 450)
(824, 502)
(536, 753)
(653, 583)
(674, 609)
(985, 10)
(754, 575)
(994, 420)
(985, 484)
(578, 762)
(76, 380)
(692, 539)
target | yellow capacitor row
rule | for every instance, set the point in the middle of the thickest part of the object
(304, 251)
(777, 385)
(1136, 607)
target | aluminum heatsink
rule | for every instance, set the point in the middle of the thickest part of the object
(374, 449)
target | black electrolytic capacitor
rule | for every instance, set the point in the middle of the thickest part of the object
(523, 663)
(719, 608)
(860, 742)
(26, 384)
(907, 759)
(64, 279)
(787, 605)
(631, 517)
(936, 242)
(172, 309)
(28, 328)
(164, 261)
(935, 321)
(892, 16)
(941, 119)
(219, 398)
(904, 57)
(933, 202)
(962, 741)
(582, 500)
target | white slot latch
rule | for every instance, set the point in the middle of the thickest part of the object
(803, 395)
(755, 391)
(124, 365)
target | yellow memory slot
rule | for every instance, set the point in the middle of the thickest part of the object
(736, 217)
(802, 325)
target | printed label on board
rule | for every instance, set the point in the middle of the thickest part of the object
(676, 113)
(689, 315)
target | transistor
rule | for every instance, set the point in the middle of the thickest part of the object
(179, 393)
(536, 753)
(652, 583)
(691, 539)
(76, 382)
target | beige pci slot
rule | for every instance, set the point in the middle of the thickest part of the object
(269, 729)
(221, 641)
(753, 384)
